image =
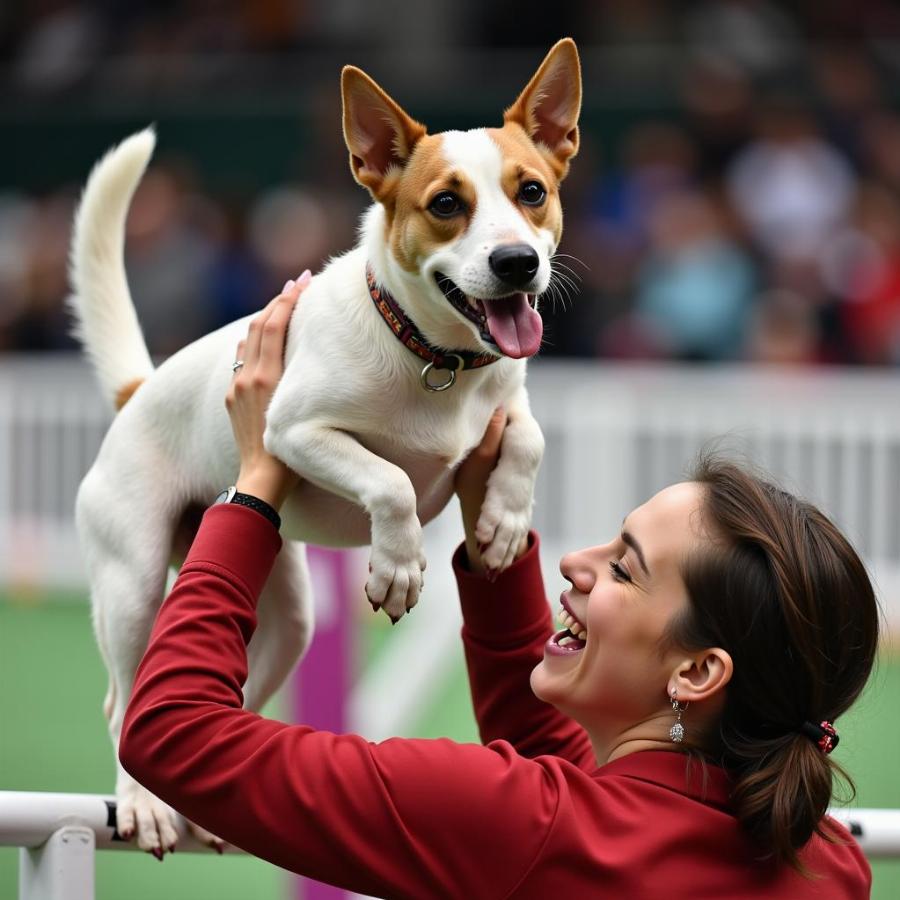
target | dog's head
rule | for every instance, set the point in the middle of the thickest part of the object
(473, 217)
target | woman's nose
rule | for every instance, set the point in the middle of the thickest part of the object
(580, 567)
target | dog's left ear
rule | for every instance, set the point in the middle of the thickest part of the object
(548, 108)
(379, 134)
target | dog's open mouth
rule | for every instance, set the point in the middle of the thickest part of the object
(511, 323)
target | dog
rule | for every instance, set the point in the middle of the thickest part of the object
(398, 353)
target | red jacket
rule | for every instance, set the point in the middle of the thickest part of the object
(529, 815)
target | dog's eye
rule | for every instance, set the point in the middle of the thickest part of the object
(445, 204)
(532, 193)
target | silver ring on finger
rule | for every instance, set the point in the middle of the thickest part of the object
(236, 365)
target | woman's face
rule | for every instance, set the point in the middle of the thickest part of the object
(623, 594)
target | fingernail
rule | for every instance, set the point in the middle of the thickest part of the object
(394, 620)
(375, 606)
(287, 286)
(219, 849)
(305, 278)
(157, 852)
(172, 849)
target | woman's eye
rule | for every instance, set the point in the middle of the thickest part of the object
(618, 572)
(445, 204)
(532, 193)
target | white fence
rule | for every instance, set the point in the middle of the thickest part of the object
(615, 435)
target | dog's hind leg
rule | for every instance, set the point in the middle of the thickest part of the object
(127, 567)
(284, 629)
(285, 626)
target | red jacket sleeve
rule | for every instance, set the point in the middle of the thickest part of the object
(506, 624)
(403, 818)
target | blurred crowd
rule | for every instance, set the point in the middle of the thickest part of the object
(754, 215)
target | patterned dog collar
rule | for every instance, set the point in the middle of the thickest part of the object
(406, 332)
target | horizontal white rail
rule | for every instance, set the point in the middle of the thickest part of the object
(876, 830)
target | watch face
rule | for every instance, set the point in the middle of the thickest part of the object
(226, 495)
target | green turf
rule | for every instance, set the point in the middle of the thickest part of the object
(53, 738)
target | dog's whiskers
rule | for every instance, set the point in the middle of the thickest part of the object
(564, 283)
(581, 262)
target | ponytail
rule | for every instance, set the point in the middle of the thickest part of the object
(781, 793)
(785, 594)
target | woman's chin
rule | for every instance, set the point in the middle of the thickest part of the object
(545, 685)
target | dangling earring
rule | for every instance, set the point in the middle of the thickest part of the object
(676, 732)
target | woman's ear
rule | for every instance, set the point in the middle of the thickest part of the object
(702, 675)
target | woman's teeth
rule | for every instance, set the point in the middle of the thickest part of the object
(574, 627)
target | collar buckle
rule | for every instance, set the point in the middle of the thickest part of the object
(442, 364)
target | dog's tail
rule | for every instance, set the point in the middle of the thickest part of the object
(106, 322)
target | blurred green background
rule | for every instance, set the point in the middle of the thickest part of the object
(53, 738)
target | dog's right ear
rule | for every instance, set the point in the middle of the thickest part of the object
(379, 134)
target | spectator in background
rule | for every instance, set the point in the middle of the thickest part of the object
(657, 159)
(717, 100)
(789, 186)
(16, 215)
(782, 330)
(871, 313)
(695, 285)
(173, 237)
(41, 323)
(849, 92)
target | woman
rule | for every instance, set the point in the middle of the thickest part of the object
(672, 742)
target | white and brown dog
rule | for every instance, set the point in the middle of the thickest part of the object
(398, 353)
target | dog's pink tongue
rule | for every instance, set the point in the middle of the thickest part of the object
(514, 325)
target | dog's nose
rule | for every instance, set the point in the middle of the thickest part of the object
(514, 264)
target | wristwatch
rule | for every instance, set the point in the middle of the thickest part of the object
(232, 495)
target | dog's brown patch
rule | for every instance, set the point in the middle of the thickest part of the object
(412, 231)
(524, 161)
(124, 394)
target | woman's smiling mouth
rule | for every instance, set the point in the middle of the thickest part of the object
(573, 638)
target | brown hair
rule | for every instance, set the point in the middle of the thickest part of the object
(786, 595)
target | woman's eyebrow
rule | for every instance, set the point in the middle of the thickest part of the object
(630, 539)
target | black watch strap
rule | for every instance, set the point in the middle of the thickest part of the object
(233, 496)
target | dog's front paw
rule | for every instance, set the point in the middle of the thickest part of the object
(144, 817)
(395, 572)
(502, 526)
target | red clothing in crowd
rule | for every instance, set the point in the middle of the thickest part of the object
(529, 815)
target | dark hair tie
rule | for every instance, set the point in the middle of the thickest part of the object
(822, 735)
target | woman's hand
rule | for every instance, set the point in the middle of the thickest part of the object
(262, 355)
(470, 482)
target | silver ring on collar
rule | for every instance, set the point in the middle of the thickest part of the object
(236, 365)
(443, 385)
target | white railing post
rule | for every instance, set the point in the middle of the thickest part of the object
(60, 869)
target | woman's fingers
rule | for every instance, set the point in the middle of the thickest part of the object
(275, 325)
(263, 327)
(489, 448)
